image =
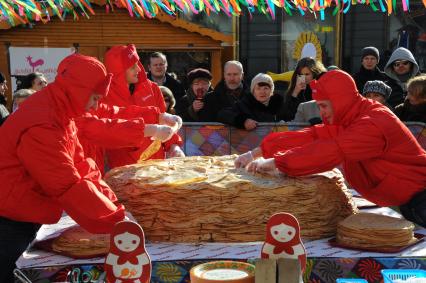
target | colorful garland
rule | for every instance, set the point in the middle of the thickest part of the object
(15, 12)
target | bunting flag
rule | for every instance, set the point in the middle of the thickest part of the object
(16, 12)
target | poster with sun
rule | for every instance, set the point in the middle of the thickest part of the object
(307, 45)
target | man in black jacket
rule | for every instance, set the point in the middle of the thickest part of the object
(401, 67)
(227, 92)
(158, 74)
(369, 71)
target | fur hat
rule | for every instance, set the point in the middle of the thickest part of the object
(377, 87)
(199, 73)
(262, 78)
(370, 50)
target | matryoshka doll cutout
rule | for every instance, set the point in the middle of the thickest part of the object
(127, 260)
(283, 239)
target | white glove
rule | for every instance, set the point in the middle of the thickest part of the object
(175, 151)
(243, 159)
(173, 121)
(158, 132)
(262, 165)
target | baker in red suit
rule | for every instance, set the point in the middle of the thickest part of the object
(381, 159)
(43, 169)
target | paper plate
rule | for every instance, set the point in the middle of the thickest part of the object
(223, 272)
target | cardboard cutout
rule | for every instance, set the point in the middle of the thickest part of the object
(283, 239)
(127, 260)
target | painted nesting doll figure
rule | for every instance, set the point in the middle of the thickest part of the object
(283, 239)
(127, 260)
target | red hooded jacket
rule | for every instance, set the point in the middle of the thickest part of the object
(43, 170)
(113, 127)
(117, 60)
(381, 159)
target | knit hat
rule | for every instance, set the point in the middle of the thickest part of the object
(377, 87)
(199, 73)
(2, 78)
(262, 78)
(370, 50)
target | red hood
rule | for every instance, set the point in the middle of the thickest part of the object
(338, 87)
(79, 77)
(118, 59)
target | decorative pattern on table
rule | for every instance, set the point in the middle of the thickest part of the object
(318, 270)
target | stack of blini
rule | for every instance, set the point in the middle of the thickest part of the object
(205, 199)
(78, 243)
(368, 230)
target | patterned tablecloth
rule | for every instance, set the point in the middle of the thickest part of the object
(172, 262)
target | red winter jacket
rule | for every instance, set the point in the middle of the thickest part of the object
(381, 158)
(43, 170)
(117, 60)
(113, 127)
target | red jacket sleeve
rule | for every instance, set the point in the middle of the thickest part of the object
(47, 156)
(149, 113)
(281, 141)
(111, 133)
(118, 126)
(329, 148)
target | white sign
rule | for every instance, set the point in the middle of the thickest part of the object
(26, 60)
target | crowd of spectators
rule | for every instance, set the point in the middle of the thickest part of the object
(243, 104)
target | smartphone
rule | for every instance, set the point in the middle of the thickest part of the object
(301, 79)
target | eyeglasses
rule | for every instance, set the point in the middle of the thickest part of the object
(400, 63)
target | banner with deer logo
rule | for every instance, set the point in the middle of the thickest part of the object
(26, 60)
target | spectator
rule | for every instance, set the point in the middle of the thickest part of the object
(169, 99)
(3, 100)
(399, 69)
(20, 96)
(227, 92)
(123, 63)
(35, 81)
(308, 112)
(299, 91)
(381, 158)
(158, 73)
(192, 107)
(377, 91)
(260, 106)
(369, 71)
(414, 106)
(44, 171)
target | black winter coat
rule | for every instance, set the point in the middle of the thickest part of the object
(249, 108)
(221, 100)
(291, 103)
(365, 75)
(397, 95)
(186, 112)
(414, 113)
(174, 85)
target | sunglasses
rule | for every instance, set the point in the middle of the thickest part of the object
(400, 63)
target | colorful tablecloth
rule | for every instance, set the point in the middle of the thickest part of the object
(172, 262)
